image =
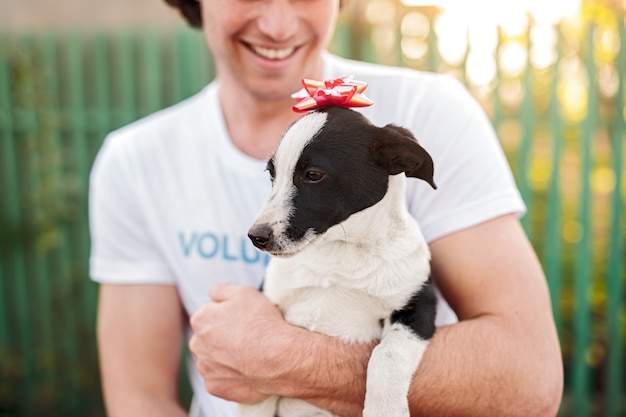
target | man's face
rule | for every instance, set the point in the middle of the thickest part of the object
(266, 46)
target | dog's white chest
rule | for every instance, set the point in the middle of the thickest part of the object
(350, 315)
(345, 297)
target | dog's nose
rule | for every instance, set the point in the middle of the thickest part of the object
(261, 236)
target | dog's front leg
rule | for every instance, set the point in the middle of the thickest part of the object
(390, 370)
(265, 408)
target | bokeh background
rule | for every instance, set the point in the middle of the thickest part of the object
(550, 74)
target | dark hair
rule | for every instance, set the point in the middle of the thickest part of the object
(190, 9)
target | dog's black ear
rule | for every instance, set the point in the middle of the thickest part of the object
(396, 150)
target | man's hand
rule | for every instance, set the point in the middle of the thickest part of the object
(246, 351)
(237, 343)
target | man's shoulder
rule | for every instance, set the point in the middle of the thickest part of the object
(401, 93)
(183, 113)
(388, 76)
(164, 130)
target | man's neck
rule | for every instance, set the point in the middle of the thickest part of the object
(256, 122)
(255, 126)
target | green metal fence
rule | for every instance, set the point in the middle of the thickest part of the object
(561, 122)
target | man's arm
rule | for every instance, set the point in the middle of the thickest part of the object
(139, 335)
(503, 358)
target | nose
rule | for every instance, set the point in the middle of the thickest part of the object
(261, 236)
(279, 20)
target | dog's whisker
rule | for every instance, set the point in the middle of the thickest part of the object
(316, 247)
(266, 154)
(311, 240)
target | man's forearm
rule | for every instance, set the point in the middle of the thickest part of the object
(473, 368)
(330, 373)
(138, 405)
(480, 367)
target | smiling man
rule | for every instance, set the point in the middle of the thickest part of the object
(261, 50)
(173, 195)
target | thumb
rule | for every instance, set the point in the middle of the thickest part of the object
(224, 292)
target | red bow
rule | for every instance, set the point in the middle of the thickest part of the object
(342, 92)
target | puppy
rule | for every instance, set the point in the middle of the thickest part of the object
(348, 259)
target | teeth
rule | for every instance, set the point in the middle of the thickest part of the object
(273, 53)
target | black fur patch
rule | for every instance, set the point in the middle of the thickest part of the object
(352, 181)
(419, 313)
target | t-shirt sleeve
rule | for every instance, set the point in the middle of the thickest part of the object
(474, 180)
(123, 251)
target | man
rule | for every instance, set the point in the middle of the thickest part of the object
(172, 196)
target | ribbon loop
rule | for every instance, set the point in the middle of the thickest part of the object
(343, 92)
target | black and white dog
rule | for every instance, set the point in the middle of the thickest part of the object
(348, 259)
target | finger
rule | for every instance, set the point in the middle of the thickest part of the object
(194, 345)
(223, 292)
(202, 317)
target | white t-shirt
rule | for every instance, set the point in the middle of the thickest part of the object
(172, 198)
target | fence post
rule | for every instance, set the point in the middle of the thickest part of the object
(583, 262)
(554, 223)
(615, 307)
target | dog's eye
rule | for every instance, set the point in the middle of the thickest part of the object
(313, 175)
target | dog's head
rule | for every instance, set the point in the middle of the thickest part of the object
(331, 164)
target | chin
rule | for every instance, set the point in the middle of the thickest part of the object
(280, 83)
(274, 89)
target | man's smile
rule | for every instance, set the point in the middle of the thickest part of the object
(271, 53)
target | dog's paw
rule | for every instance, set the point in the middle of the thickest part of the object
(388, 410)
(381, 404)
